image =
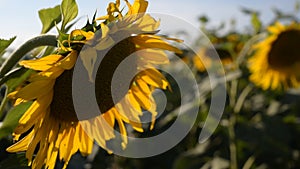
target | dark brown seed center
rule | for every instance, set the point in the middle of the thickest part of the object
(218, 53)
(106, 72)
(285, 50)
(62, 104)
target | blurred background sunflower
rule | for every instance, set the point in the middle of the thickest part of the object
(276, 61)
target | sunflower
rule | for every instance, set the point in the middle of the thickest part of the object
(50, 127)
(276, 62)
(207, 57)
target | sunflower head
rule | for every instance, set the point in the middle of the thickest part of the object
(208, 57)
(276, 61)
(51, 128)
(286, 44)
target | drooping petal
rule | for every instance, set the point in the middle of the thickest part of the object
(154, 56)
(21, 145)
(35, 89)
(139, 6)
(41, 64)
(150, 41)
(69, 61)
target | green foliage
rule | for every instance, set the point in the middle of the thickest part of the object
(15, 161)
(203, 19)
(256, 23)
(5, 43)
(69, 11)
(248, 11)
(12, 118)
(49, 18)
(14, 79)
(297, 6)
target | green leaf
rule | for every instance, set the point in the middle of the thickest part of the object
(297, 6)
(50, 17)
(11, 120)
(5, 43)
(18, 78)
(48, 50)
(247, 11)
(277, 12)
(203, 19)
(69, 11)
(13, 79)
(256, 23)
(15, 161)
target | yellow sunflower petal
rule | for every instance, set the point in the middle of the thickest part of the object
(35, 111)
(32, 145)
(38, 161)
(88, 57)
(155, 78)
(86, 145)
(147, 23)
(122, 130)
(150, 41)
(41, 64)
(139, 6)
(50, 74)
(35, 89)
(21, 145)
(133, 102)
(154, 56)
(108, 131)
(52, 149)
(88, 35)
(37, 106)
(141, 98)
(131, 115)
(105, 43)
(98, 134)
(69, 61)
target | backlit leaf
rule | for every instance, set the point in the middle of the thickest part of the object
(69, 11)
(50, 17)
(11, 120)
(5, 43)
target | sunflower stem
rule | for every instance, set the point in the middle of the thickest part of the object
(233, 92)
(42, 40)
(236, 104)
(231, 125)
(3, 103)
(232, 144)
(240, 101)
(248, 164)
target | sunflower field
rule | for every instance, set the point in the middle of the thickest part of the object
(123, 91)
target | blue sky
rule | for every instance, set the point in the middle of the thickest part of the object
(20, 17)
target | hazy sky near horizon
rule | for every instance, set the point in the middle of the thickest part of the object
(20, 17)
